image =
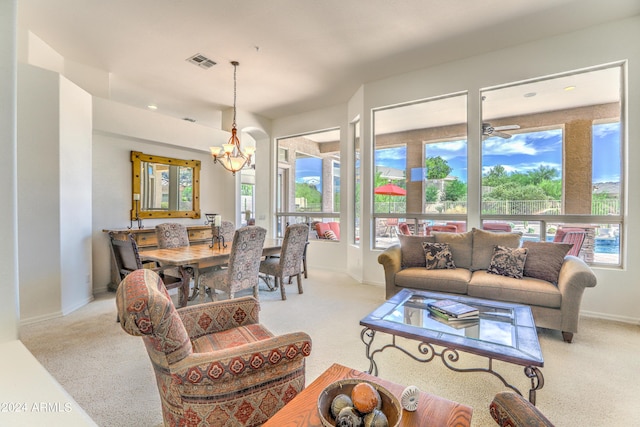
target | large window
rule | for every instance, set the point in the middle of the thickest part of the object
(308, 178)
(552, 158)
(420, 173)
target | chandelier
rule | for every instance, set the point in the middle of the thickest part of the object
(230, 156)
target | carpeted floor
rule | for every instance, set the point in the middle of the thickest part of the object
(590, 382)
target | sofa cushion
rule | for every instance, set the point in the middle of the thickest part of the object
(545, 259)
(411, 250)
(452, 280)
(527, 290)
(438, 255)
(485, 241)
(508, 261)
(460, 245)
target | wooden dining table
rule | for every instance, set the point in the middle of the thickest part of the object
(197, 258)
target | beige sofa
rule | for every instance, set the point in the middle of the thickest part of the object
(555, 304)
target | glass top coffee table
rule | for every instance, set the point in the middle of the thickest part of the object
(503, 331)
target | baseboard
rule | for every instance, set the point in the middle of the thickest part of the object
(77, 306)
(611, 317)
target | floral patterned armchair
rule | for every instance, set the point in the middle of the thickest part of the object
(215, 364)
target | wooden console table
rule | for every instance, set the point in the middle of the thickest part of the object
(146, 239)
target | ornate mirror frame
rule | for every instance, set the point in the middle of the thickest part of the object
(138, 209)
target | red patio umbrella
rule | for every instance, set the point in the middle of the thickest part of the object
(390, 190)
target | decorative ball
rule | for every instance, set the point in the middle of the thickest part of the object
(339, 402)
(349, 417)
(409, 398)
(376, 418)
(365, 397)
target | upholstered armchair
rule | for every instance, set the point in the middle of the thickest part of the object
(215, 364)
(509, 409)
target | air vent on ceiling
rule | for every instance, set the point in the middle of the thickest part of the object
(201, 61)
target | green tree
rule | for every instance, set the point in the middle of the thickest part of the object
(455, 190)
(543, 173)
(496, 176)
(437, 168)
(431, 194)
(308, 192)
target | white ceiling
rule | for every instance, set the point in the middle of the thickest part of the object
(295, 55)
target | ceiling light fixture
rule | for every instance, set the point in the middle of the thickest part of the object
(230, 156)
(569, 88)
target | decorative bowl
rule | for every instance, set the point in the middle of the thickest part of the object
(390, 404)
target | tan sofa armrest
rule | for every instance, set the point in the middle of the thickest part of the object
(207, 318)
(391, 260)
(575, 276)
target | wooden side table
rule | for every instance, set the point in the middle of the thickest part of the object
(432, 410)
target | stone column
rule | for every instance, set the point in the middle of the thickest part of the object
(577, 167)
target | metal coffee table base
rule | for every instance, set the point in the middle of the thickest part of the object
(449, 356)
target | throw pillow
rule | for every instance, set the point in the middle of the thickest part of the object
(411, 250)
(545, 260)
(438, 256)
(508, 262)
(460, 245)
(485, 241)
(329, 234)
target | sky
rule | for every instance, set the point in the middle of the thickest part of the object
(522, 152)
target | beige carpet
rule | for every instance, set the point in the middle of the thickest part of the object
(591, 382)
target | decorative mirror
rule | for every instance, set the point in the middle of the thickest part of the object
(164, 187)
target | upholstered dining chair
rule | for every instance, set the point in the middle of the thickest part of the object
(126, 257)
(215, 364)
(241, 272)
(172, 235)
(289, 263)
(226, 230)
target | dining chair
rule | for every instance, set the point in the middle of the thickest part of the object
(174, 235)
(241, 272)
(289, 263)
(215, 364)
(126, 256)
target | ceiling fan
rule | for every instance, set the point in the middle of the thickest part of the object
(489, 131)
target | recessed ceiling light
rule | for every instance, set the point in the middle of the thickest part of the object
(152, 107)
(568, 88)
(530, 94)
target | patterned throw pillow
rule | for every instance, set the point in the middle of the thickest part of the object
(329, 234)
(438, 256)
(508, 262)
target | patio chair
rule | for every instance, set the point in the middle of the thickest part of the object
(571, 235)
(441, 228)
(214, 363)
